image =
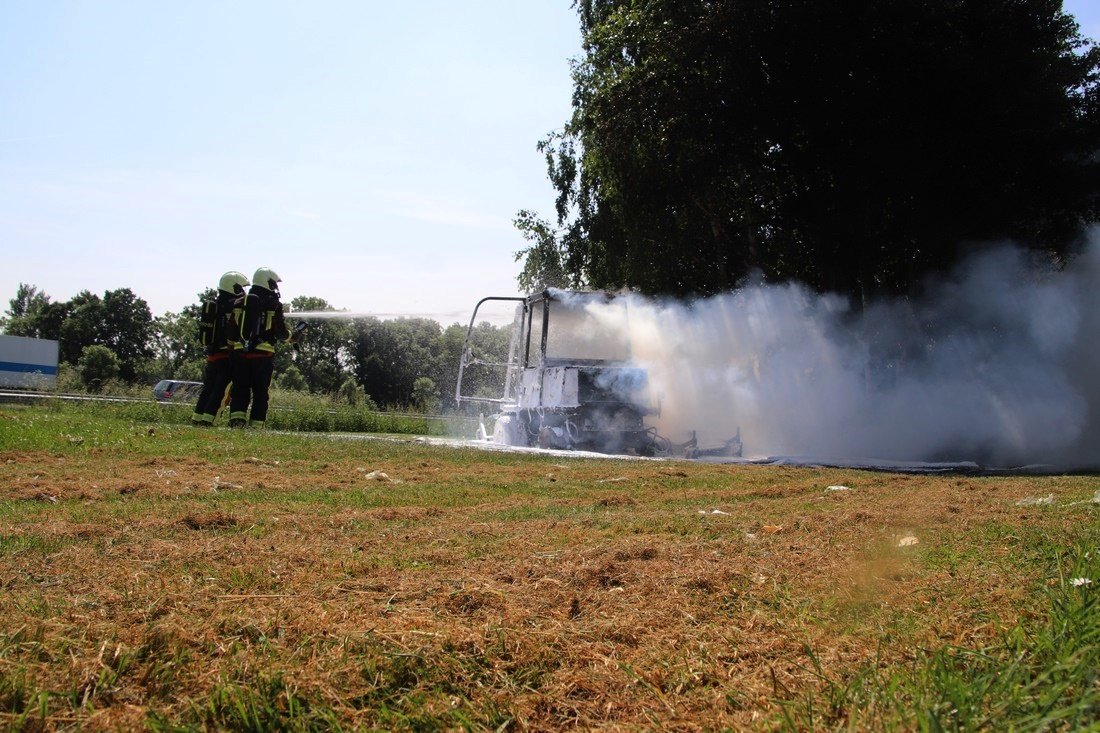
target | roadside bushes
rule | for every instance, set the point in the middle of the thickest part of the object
(352, 393)
(290, 411)
(292, 380)
(348, 419)
(97, 366)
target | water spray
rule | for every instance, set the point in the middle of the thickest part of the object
(359, 315)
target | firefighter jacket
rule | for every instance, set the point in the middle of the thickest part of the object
(220, 325)
(263, 324)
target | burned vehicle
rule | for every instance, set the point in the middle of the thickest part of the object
(568, 381)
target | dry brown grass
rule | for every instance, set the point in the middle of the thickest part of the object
(489, 589)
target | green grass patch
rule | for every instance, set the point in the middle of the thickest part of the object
(154, 574)
(262, 703)
(1040, 675)
(19, 544)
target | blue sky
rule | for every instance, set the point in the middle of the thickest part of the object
(373, 153)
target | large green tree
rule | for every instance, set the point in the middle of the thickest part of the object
(83, 325)
(127, 330)
(855, 145)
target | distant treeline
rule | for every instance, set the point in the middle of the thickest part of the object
(408, 363)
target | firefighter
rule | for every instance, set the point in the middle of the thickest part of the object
(219, 334)
(262, 327)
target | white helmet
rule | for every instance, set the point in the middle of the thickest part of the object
(266, 278)
(233, 282)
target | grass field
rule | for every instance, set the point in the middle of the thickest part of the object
(154, 575)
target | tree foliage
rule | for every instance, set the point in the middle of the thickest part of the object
(854, 145)
(292, 380)
(388, 356)
(351, 393)
(174, 344)
(322, 355)
(119, 321)
(544, 260)
(425, 395)
(24, 314)
(82, 326)
(98, 365)
(127, 328)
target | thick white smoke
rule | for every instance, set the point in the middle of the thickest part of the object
(998, 364)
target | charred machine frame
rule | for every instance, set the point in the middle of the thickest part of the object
(569, 382)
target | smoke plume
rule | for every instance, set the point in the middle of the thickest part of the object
(999, 364)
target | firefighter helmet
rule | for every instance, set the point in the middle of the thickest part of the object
(266, 278)
(233, 282)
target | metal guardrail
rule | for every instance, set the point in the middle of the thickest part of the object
(16, 396)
